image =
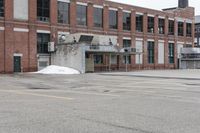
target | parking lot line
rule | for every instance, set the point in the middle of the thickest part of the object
(35, 94)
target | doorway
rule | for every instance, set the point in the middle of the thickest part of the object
(17, 63)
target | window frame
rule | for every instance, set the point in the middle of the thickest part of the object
(42, 45)
(2, 8)
(151, 52)
(64, 11)
(171, 53)
(171, 27)
(126, 22)
(81, 15)
(43, 10)
(96, 57)
(98, 15)
(139, 22)
(189, 29)
(161, 25)
(180, 28)
(150, 24)
(113, 19)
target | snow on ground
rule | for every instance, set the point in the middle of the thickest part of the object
(58, 70)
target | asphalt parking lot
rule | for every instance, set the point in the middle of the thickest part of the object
(100, 103)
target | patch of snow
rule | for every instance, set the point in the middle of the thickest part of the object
(58, 70)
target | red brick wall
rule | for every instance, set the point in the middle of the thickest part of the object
(26, 42)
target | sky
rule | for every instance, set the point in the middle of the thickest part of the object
(161, 4)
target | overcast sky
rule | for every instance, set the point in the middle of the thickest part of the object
(160, 4)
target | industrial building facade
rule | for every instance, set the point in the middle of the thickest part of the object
(26, 27)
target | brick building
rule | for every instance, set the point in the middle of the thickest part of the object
(26, 27)
(197, 31)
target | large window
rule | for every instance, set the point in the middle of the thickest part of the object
(150, 52)
(139, 23)
(98, 59)
(161, 26)
(113, 19)
(180, 29)
(42, 42)
(98, 17)
(171, 27)
(189, 29)
(43, 12)
(151, 24)
(81, 15)
(126, 58)
(1, 8)
(126, 21)
(63, 12)
(171, 53)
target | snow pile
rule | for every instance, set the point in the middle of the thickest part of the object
(58, 70)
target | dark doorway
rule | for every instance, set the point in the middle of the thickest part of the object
(17, 63)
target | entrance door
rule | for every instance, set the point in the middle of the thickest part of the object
(17, 63)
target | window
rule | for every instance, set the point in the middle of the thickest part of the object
(171, 27)
(139, 23)
(98, 59)
(126, 58)
(151, 24)
(126, 43)
(98, 17)
(161, 26)
(43, 10)
(180, 28)
(81, 15)
(150, 52)
(113, 19)
(42, 42)
(189, 29)
(63, 12)
(171, 53)
(126, 21)
(1, 8)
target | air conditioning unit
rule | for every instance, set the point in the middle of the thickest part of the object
(51, 47)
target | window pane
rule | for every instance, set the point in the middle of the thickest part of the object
(42, 42)
(171, 53)
(113, 19)
(151, 24)
(180, 28)
(139, 23)
(161, 26)
(98, 59)
(1, 8)
(63, 12)
(43, 12)
(126, 21)
(98, 17)
(81, 15)
(150, 52)
(189, 29)
(171, 27)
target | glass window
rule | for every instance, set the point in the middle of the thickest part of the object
(126, 43)
(161, 26)
(150, 52)
(171, 27)
(171, 53)
(139, 23)
(81, 15)
(43, 10)
(98, 17)
(113, 19)
(189, 29)
(126, 21)
(1, 8)
(180, 29)
(63, 12)
(126, 58)
(151, 24)
(98, 59)
(42, 42)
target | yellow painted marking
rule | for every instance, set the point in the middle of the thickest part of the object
(34, 94)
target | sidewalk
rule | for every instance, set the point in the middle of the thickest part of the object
(191, 74)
